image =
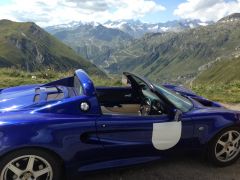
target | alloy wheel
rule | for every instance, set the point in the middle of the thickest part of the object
(28, 167)
(228, 146)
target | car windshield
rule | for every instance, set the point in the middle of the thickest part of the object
(176, 99)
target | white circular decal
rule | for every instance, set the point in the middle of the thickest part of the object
(166, 135)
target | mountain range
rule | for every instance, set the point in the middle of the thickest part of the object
(175, 51)
(27, 46)
(179, 56)
(137, 28)
(94, 42)
(97, 42)
(134, 28)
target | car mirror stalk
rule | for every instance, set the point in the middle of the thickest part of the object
(177, 115)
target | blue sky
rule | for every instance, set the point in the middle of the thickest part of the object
(2, 2)
(166, 15)
(52, 12)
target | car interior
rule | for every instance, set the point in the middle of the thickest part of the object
(136, 99)
(118, 100)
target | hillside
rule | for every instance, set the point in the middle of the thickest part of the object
(26, 46)
(231, 17)
(220, 81)
(178, 57)
(224, 71)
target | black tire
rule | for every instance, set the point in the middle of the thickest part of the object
(55, 163)
(211, 155)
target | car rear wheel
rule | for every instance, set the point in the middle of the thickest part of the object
(224, 150)
(30, 164)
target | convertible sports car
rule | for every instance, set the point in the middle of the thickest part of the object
(60, 129)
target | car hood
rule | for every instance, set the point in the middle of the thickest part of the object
(180, 89)
(17, 97)
(203, 111)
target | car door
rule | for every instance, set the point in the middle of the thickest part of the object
(125, 136)
(135, 136)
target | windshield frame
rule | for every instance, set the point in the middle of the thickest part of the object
(173, 93)
(156, 91)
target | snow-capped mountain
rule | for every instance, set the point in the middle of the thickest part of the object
(70, 26)
(134, 28)
(137, 28)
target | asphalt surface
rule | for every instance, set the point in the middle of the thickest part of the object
(177, 168)
(187, 167)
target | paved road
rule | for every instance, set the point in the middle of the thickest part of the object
(177, 168)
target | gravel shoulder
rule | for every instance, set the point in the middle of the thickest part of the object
(232, 106)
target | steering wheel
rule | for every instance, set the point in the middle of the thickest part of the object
(146, 106)
(157, 107)
(151, 107)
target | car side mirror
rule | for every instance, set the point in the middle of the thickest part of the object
(177, 115)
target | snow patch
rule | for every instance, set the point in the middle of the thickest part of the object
(164, 29)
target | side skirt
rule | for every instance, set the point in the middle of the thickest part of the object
(117, 163)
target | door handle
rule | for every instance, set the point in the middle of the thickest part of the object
(128, 95)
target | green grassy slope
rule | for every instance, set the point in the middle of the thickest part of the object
(220, 82)
(221, 92)
(221, 72)
(27, 46)
(13, 77)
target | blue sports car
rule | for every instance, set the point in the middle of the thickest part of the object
(57, 130)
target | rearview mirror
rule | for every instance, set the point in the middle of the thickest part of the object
(177, 115)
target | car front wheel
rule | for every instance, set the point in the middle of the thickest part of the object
(30, 164)
(224, 149)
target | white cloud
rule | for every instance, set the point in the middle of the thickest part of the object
(206, 10)
(51, 12)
